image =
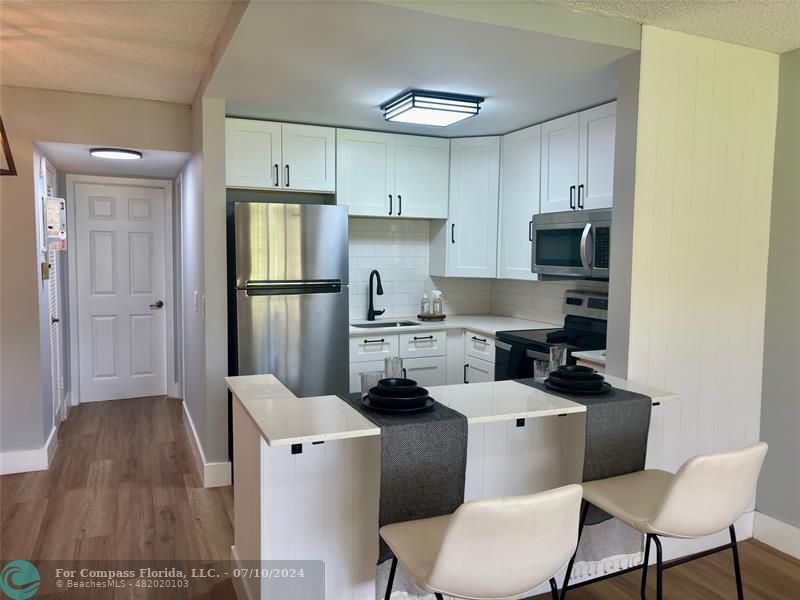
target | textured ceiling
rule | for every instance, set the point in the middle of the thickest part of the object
(135, 48)
(772, 25)
(334, 63)
(75, 158)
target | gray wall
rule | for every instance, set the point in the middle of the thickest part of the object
(619, 291)
(779, 487)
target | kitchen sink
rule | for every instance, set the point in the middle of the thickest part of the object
(385, 324)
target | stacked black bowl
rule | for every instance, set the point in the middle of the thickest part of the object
(397, 395)
(572, 379)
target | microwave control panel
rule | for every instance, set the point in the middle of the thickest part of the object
(602, 247)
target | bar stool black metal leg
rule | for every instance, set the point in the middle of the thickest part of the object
(736, 566)
(439, 596)
(554, 588)
(659, 567)
(584, 513)
(390, 583)
(644, 567)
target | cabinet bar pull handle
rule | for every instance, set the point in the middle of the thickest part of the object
(423, 337)
(380, 341)
(572, 197)
(400, 203)
(287, 175)
(580, 201)
(477, 339)
(465, 373)
(453, 233)
(277, 173)
(390, 204)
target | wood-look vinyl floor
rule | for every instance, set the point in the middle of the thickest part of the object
(123, 486)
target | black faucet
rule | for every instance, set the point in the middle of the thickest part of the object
(372, 313)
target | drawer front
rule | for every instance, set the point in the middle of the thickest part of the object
(372, 347)
(478, 371)
(479, 345)
(428, 343)
(427, 371)
(356, 369)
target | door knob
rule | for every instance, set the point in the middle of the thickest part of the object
(158, 304)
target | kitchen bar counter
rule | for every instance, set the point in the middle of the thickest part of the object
(485, 324)
(283, 419)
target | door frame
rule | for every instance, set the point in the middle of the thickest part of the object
(74, 344)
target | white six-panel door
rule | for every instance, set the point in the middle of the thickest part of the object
(560, 147)
(120, 280)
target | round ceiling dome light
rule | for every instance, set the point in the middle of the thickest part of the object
(115, 153)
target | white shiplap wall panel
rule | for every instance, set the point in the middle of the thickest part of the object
(707, 114)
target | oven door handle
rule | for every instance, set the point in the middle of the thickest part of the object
(537, 354)
(502, 345)
(585, 259)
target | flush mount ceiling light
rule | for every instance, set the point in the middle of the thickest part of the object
(430, 108)
(115, 153)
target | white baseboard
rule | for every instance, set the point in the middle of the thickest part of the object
(24, 461)
(240, 585)
(214, 474)
(781, 536)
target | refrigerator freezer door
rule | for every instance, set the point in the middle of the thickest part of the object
(301, 338)
(290, 242)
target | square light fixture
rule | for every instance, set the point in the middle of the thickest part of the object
(424, 107)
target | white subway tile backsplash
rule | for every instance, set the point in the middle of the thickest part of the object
(399, 249)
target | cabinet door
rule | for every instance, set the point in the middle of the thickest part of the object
(422, 172)
(560, 148)
(365, 172)
(472, 226)
(426, 371)
(479, 346)
(598, 128)
(477, 370)
(519, 201)
(252, 153)
(356, 369)
(309, 158)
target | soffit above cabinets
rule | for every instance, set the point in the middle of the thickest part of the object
(336, 63)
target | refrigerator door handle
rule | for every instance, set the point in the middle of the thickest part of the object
(264, 288)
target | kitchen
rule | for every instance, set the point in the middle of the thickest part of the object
(510, 234)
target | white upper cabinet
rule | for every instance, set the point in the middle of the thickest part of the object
(309, 158)
(519, 201)
(578, 160)
(365, 172)
(389, 175)
(598, 128)
(267, 155)
(252, 153)
(422, 168)
(560, 150)
(467, 244)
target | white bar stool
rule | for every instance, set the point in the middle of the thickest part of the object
(490, 549)
(707, 494)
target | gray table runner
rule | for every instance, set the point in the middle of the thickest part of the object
(423, 463)
(617, 425)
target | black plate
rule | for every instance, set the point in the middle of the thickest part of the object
(397, 402)
(397, 383)
(575, 372)
(415, 392)
(594, 383)
(383, 409)
(603, 390)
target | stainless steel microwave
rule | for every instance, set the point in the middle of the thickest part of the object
(576, 243)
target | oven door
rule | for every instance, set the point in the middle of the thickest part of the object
(515, 362)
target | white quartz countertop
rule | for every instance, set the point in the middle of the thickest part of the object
(285, 419)
(595, 356)
(484, 324)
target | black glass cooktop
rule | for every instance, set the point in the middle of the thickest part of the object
(578, 333)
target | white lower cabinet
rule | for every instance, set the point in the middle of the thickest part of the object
(424, 356)
(477, 370)
(426, 371)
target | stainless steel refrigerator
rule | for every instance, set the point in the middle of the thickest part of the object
(291, 289)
